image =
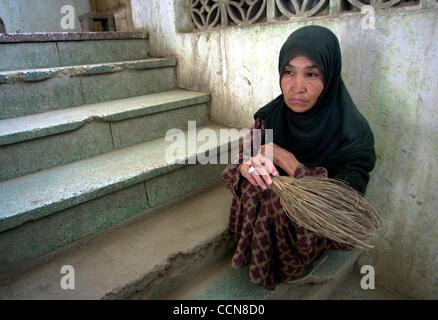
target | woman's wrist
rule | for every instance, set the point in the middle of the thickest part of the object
(289, 163)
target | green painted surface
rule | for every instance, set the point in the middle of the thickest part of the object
(180, 182)
(20, 56)
(231, 284)
(28, 56)
(98, 70)
(36, 97)
(140, 129)
(90, 52)
(32, 156)
(42, 236)
(35, 238)
(36, 76)
(92, 139)
(88, 179)
(25, 98)
(17, 76)
(40, 125)
(98, 88)
(228, 283)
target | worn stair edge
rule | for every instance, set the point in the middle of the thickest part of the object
(38, 237)
(98, 137)
(146, 253)
(70, 36)
(39, 125)
(24, 98)
(19, 56)
(225, 282)
(41, 74)
(88, 179)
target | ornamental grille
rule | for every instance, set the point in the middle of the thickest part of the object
(210, 14)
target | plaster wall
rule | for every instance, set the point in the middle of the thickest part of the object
(39, 16)
(391, 73)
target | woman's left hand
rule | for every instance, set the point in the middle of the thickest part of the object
(281, 157)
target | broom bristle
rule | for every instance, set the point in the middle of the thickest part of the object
(330, 208)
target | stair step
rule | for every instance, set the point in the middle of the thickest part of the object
(40, 74)
(149, 253)
(123, 182)
(25, 92)
(25, 37)
(222, 282)
(51, 49)
(38, 142)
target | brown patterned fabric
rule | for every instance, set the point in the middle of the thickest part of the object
(274, 248)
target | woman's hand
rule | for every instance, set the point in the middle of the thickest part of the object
(261, 176)
(281, 157)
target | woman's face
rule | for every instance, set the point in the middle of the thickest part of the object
(302, 83)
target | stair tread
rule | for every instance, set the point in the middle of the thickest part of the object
(70, 36)
(39, 74)
(126, 255)
(222, 282)
(32, 197)
(24, 128)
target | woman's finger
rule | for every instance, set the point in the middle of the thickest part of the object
(259, 180)
(270, 167)
(261, 173)
(244, 172)
(267, 164)
(251, 180)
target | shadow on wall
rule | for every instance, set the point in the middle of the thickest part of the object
(2, 26)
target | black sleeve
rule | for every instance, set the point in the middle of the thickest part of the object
(354, 170)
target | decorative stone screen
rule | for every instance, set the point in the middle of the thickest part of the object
(210, 14)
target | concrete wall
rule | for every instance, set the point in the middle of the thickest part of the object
(39, 15)
(391, 75)
(121, 10)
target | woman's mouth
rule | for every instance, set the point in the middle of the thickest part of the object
(298, 101)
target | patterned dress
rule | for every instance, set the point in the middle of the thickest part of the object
(274, 248)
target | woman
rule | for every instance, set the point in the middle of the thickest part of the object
(317, 131)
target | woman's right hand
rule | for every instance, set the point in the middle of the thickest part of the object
(261, 176)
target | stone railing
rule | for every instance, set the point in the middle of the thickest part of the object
(211, 14)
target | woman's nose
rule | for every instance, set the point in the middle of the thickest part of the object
(298, 85)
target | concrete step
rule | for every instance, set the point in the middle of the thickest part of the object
(151, 253)
(45, 50)
(38, 142)
(26, 92)
(221, 282)
(52, 208)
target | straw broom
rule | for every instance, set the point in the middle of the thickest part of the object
(330, 208)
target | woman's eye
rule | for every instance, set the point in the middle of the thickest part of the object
(289, 73)
(312, 75)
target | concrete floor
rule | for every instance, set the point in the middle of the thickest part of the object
(351, 290)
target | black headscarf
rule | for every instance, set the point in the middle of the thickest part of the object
(333, 133)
